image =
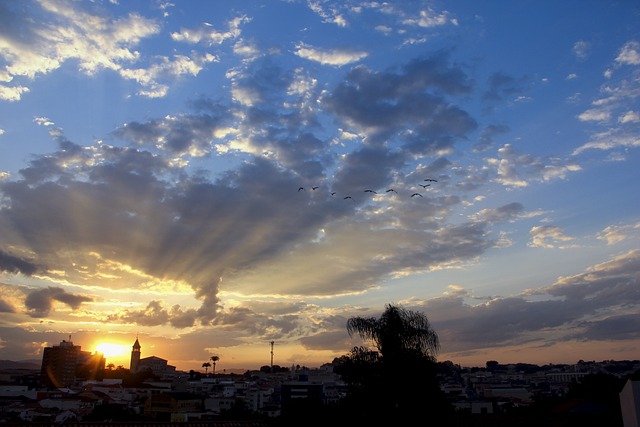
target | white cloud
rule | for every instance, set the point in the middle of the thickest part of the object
(429, 19)
(595, 115)
(547, 236)
(338, 57)
(210, 36)
(630, 117)
(581, 49)
(630, 53)
(12, 93)
(609, 139)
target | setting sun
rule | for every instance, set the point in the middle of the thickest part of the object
(111, 350)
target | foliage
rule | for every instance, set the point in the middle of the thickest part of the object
(397, 381)
(398, 333)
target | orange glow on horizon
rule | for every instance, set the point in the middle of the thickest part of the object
(112, 350)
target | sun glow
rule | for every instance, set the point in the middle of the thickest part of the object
(111, 350)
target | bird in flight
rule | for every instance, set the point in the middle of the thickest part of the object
(391, 189)
(301, 188)
(431, 180)
(348, 197)
(424, 185)
(417, 194)
(314, 188)
(333, 193)
(370, 191)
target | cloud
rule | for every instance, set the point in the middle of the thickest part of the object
(13, 264)
(409, 105)
(6, 307)
(487, 136)
(581, 49)
(609, 140)
(516, 170)
(629, 53)
(182, 135)
(209, 36)
(503, 86)
(330, 15)
(428, 18)
(618, 100)
(501, 214)
(333, 57)
(616, 234)
(40, 302)
(63, 33)
(606, 298)
(547, 236)
(66, 32)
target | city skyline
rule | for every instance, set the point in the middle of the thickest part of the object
(214, 176)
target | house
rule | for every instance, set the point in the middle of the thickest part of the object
(630, 403)
(163, 405)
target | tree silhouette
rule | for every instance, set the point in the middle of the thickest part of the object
(398, 379)
(214, 360)
(206, 366)
(397, 333)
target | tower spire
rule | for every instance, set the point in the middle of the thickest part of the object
(272, 342)
(135, 356)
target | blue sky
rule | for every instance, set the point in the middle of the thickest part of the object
(151, 155)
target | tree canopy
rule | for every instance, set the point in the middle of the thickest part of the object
(398, 331)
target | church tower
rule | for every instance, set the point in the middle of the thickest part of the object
(135, 357)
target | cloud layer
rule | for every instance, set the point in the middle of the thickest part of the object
(271, 203)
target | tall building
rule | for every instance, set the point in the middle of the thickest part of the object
(135, 357)
(63, 364)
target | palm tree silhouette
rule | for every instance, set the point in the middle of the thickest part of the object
(206, 366)
(214, 360)
(398, 331)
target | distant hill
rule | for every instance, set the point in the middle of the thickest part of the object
(20, 364)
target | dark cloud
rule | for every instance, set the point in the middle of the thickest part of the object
(13, 264)
(40, 302)
(597, 295)
(487, 136)
(501, 214)
(367, 168)
(503, 86)
(5, 307)
(185, 134)
(123, 217)
(623, 327)
(410, 104)
(331, 340)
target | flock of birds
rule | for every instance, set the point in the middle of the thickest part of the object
(390, 190)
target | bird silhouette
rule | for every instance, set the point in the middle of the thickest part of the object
(314, 188)
(348, 197)
(333, 193)
(301, 188)
(370, 191)
(391, 189)
(424, 185)
(417, 194)
(431, 180)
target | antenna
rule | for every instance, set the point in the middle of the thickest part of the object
(272, 342)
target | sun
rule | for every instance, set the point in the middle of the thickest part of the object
(112, 350)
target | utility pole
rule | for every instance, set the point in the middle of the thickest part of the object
(272, 356)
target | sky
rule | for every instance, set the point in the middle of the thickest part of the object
(211, 177)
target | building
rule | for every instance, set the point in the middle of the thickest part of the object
(630, 403)
(63, 364)
(160, 367)
(135, 356)
(164, 406)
